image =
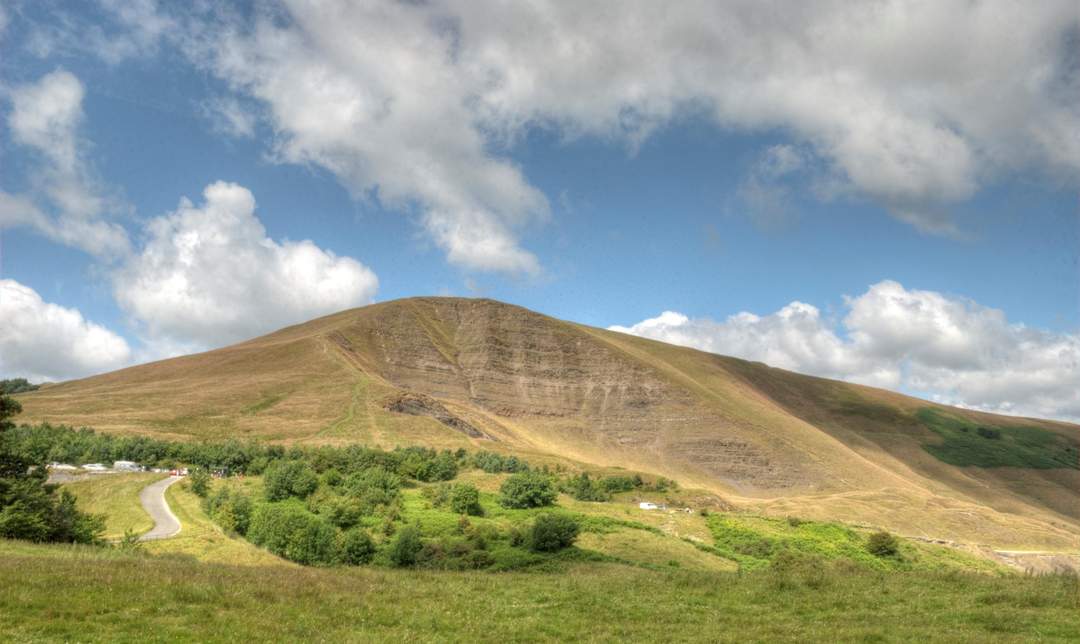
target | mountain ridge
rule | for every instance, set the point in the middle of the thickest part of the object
(532, 384)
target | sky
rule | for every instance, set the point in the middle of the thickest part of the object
(881, 192)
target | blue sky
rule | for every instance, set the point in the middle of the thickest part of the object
(662, 165)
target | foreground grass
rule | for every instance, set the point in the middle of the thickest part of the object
(88, 594)
(117, 497)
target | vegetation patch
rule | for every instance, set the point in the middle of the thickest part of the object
(756, 543)
(969, 444)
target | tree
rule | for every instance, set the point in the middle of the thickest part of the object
(883, 544)
(465, 499)
(552, 532)
(355, 547)
(29, 506)
(283, 479)
(527, 490)
(406, 546)
(288, 530)
(200, 482)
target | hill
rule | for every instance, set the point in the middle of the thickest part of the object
(449, 372)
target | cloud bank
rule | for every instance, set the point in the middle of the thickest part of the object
(951, 349)
(44, 341)
(907, 104)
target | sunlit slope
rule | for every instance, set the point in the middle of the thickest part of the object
(454, 372)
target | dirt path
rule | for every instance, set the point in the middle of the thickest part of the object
(153, 501)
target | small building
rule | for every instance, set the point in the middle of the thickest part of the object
(646, 505)
(126, 466)
(62, 467)
(95, 467)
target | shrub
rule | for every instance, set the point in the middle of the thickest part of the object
(200, 482)
(406, 546)
(582, 488)
(883, 544)
(613, 484)
(989, 432)
(527, 490)
(230, 509)
(290, 531)
(355, 547)
(465, 499)
(552, 532)
(283, 479)
(130, 541)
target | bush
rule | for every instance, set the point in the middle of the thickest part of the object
(200, 482)
(465, 499)
(355, 547)
(290, 531)
(883, 544)
(230, 509)
(283, 479)
(582, 488)
(552, 532)
(406, 546)
(527, 490)
(989, 432)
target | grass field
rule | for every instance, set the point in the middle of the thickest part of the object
(117, 497)
(89, 594)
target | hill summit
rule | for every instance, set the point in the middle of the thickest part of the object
(453, 372)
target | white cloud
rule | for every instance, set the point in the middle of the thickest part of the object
(44, 341)
(952, 349)
(208, 275)
(44, 118)
(909, 104)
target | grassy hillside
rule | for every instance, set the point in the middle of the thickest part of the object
(448, 373)
(115, 496)
(111, 596)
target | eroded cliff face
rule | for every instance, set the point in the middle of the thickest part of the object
(520, 365)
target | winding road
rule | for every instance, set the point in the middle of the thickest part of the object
(153, 501)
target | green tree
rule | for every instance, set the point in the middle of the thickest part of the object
(406, 546)
(288, 530)
(883, 544)
(355, 547)
(551, 532)
(200, 482)
(29, 507)
(283, 479)
(465, 499)
(527, 490)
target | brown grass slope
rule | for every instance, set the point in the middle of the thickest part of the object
(483, 374)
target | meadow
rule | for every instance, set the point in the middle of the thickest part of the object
(91, 594)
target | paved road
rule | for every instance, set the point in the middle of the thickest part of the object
(153, 501)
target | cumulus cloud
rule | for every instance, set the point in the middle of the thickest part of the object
(909, 104)
(44, 341)
(45, 117)
(952, 349)
(209, 275)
